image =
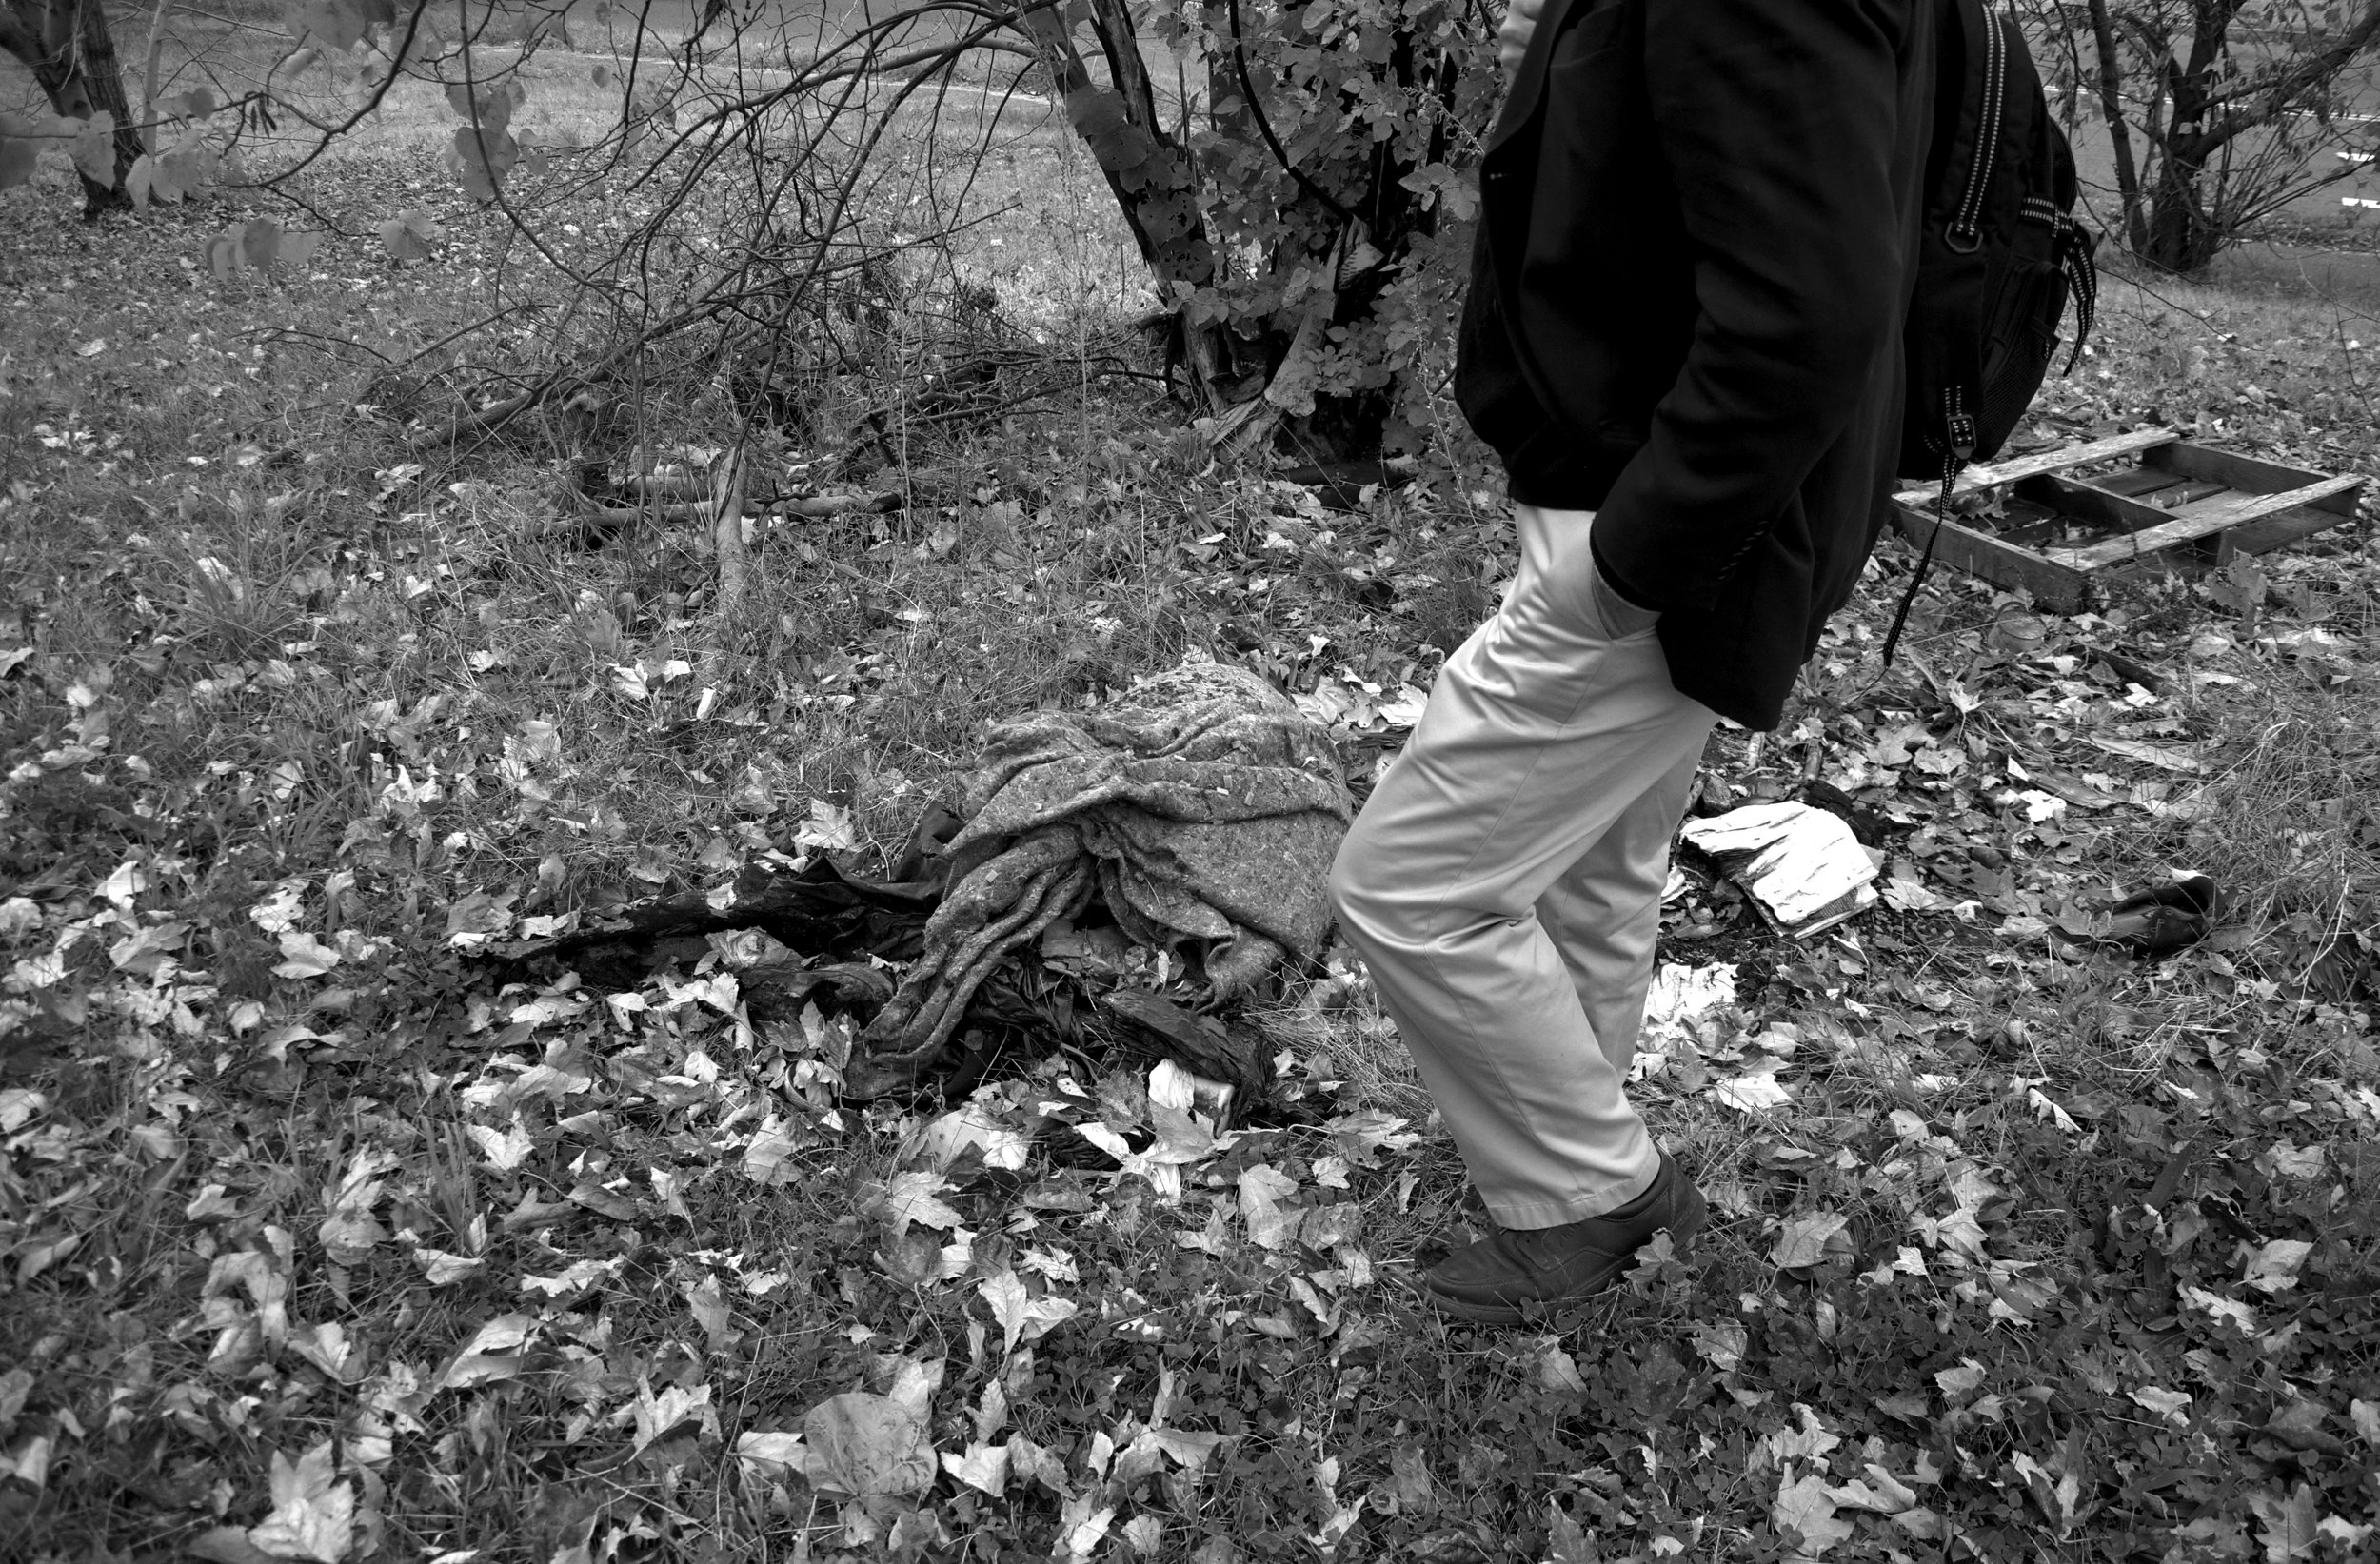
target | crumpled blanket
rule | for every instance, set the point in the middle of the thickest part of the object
(1203, 805)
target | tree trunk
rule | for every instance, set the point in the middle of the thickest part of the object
(67, 47)
(2119, 131)
(1256, 374)
(2179, 236)
(151, 59)
(1154, 183)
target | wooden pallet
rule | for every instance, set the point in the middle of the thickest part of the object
(2059, 530)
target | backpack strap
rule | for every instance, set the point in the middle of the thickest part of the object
(1924, 561)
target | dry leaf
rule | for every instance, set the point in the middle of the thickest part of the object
(443, 1269)
(1022, 1316)
(868, 1446)
(303, 956)
(984, 1467)
(1263, 1188)
(1803, 1240)
(312, 1517)
(663, 1413)
(1804, 1506)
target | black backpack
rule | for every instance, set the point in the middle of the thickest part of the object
(1998, 259)
(2000, 253)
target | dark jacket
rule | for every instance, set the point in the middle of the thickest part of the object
(1698, 224)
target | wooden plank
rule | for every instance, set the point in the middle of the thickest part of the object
(2139, 483)
(2190, 491)
(2248, 474)
(2195, 522)
(2092, 502)
(2026, 521)
(2054, 586)
(2284, 527)
(2049, 460)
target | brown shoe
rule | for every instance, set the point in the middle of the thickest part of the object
(1519, 1274)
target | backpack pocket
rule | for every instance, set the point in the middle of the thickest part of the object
(2021, 319)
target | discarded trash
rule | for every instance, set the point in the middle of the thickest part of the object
(1681, 995)
(1203, 806)
(2160, 918)
(1186, 830)
(1802, 868)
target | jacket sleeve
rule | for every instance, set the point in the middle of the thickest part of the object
(1779, 120)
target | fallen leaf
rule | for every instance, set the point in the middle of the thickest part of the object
(1754, 1093)
(2274, 1267)
(1263, 1188)
(1022, 1316)
(2291, 1527)
(675, 1405)
(1083, 1523)
(984, 1467)
(774, 1450)
(1810, 1442)
(1805, 1508)
(505, 1149)
(915, 1196)
(1962, 1380)
(1802, 1240)
(312, 1516)
(303, 956)
(481, 1359)
(868, 1446)
(443, 1269)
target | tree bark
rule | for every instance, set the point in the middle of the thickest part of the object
(2195, 113)
(150, 61)
(1152, 178)
(72, 56)
(1360, 235)
(2119, 131)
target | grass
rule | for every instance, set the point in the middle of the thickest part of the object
(287, 676)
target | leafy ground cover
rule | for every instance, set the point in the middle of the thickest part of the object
(324, 1234)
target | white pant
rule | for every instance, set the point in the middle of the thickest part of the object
(1504, 882)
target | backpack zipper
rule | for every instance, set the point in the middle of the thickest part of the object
(1957, 438)
(1964, 233)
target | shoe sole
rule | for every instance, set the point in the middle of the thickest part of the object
(1553, 1311)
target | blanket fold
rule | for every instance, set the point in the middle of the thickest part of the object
(1200, 806)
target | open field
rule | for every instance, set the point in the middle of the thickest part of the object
(324, 1233)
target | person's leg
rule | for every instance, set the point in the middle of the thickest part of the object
(1604, 915)
(1542, 734)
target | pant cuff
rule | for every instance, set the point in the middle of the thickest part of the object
(1522, 1213)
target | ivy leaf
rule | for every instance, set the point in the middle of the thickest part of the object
(338, 24)
(95, 150)
(20, 148)
(197, 103)
(409, 236)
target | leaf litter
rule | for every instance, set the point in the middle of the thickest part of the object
(2022, 1243)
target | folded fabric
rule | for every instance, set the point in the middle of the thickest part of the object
(1201, 806)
